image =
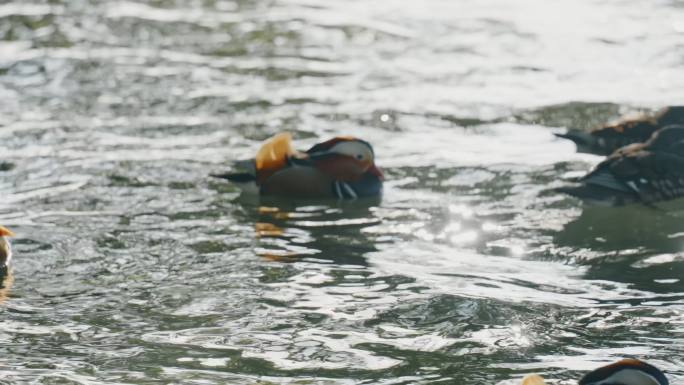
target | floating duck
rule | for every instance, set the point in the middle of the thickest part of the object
(342, 168)
(607, 139)
(5, 250)
(6, 278)
(628, 371)
(645, 173)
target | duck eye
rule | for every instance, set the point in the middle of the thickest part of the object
(359, 156)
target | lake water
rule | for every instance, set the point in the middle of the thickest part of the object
(133, 267)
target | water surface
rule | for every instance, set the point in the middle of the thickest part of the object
(133, 267)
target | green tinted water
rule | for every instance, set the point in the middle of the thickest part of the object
(133, 267)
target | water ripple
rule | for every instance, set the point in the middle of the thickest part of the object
(132, 266)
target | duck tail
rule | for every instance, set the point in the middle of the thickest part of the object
(584, 141)
(580, 191)
(244, 172)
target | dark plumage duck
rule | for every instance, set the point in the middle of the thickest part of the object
(645, 173)
(342, 168)
(628, 371)
(607, 139)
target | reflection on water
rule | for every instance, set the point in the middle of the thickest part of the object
(133, 266)
(6, 281)
(317, 231)
(625, 230)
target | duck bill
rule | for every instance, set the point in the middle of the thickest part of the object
(374, 170)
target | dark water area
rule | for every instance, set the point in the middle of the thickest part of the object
(132, 266)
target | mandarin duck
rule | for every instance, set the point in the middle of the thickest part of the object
(5, 249)
(628, 371)
(605, 140)
(644, 173)
(342, 168)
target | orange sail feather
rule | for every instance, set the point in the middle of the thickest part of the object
(273, 154)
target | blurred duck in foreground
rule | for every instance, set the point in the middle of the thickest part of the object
(6, 278)
(607, 139)
(624, 372)
(646, 173)
(342, 168)
(5, 250)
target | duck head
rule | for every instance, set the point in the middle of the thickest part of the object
(669, 138)
(628, 371)
(670, 115)
(5, 247)
(347, 159)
